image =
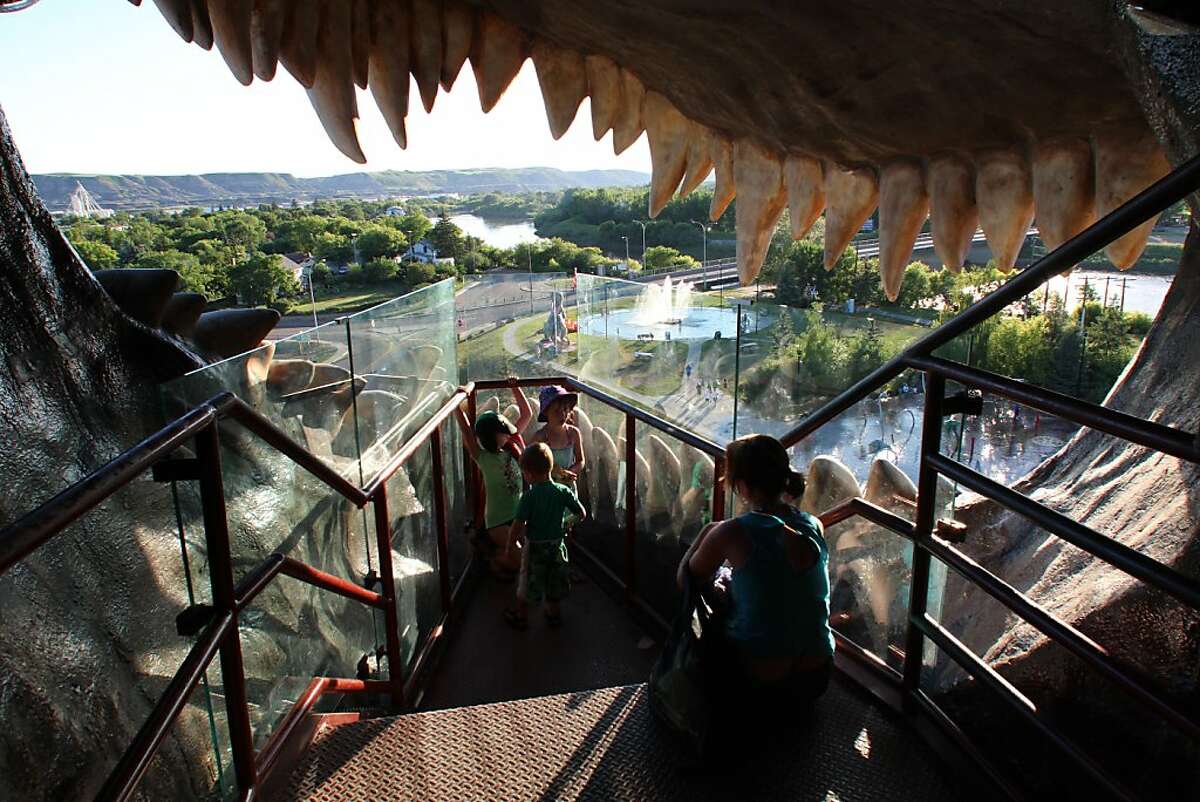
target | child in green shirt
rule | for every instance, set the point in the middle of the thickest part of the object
(495, 444)
(539, 522)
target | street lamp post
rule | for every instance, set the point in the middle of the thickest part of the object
(703, 251)
(643, 225)
(627, 270)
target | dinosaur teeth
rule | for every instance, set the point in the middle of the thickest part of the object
(850, 197)
(805, 182)
(142, 294)
(360, 42)
(182, 312)
(496, 58)
(724, 188)
(563, 79)
(627, 124)
(332, 93)
(298, 48)
(458, 28)
(426, 49)
(286, 376)
(954, 216)
(1064, 192)
(266, 34)
(231, 29)
(178, 14)
(761, 198)
(389, 66)
(202, 32)
(667, 132)
(699, 159)
(604, 87)
(1004, 193)
(258, 362)
(903, 207)
(230, 332)
(1123, 169)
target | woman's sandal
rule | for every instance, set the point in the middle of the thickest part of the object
(515, 619)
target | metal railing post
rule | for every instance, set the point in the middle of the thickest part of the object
(630, 504)
(220, 562)
(440, 518)
(931, 443)
(383, 544)
(476, 476)
(718, 499)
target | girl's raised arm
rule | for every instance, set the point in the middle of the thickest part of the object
(468, 433)
(526, 412)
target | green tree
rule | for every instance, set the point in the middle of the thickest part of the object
(418, 273)
(334, 248)
(659, 257)
(380, 270)
(415, 226)
(262, 280)
(194, 276)
(96, 255)
(380, 242)
(447, 239)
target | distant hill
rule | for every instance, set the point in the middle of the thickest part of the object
(232, 189)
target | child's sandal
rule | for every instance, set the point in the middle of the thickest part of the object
(516, 620)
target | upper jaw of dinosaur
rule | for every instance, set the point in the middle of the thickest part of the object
(959, 112)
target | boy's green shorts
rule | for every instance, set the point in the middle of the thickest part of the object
(544, 572)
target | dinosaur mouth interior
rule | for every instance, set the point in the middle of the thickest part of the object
(961, 114)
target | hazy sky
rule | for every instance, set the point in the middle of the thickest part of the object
(100, 86)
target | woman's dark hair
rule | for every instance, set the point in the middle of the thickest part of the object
(762, 463)
(488, 426)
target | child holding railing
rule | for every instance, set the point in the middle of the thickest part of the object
(495, 444)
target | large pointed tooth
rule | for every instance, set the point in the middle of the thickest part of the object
(266, 34)
(1124, 167)
(298, 49)
(332, 93)
(496, 58)
(805, 182)
(954, 216)
(1064, 191)
(230, 332)
(360, 42)
(142, 294)
(761, 198)
(604, 87)
(850, 197)
(231, 29)
(563, 80)
(202, 32)
(1004, 193)
(666, 131)
(426, 53)
(724, 187)
(903, 207)
(627, 126)
(178, 14)
(389, 65)
(182, 312)
(458, 30)
(699, 157)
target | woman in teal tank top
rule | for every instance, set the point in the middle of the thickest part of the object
(775, 641)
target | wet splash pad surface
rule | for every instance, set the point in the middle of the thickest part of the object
(696, 324)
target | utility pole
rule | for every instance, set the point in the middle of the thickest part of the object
(627, 254)
(1106, 280)
(1082, 336)
(529, 253)
(643, 225)
(1123, 280)
(703, 251)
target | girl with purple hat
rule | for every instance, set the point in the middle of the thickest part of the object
(557, 405)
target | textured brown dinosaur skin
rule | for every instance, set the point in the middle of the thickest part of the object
(87, 642)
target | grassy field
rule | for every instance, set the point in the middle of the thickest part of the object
(352, 299)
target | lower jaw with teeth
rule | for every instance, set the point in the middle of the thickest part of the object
(1060, 185)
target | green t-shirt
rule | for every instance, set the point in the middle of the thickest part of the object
(502, 482)
(542, 507)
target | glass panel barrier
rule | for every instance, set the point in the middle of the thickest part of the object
(95, 647)
(602, 486)
(516, 323)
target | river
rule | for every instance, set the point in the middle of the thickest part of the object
(1144, 292)
(495, 233)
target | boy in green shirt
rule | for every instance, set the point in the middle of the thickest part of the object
(540, 523)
